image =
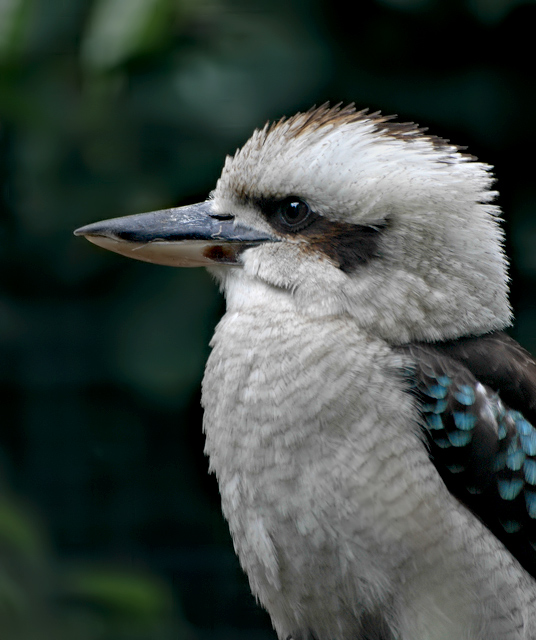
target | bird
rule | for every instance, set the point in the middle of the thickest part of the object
(370, 423)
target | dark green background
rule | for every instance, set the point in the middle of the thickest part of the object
(110, 527)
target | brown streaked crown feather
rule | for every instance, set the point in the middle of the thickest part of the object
(332, 116)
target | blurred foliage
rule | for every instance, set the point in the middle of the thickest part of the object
(112, 107)
(40, 599)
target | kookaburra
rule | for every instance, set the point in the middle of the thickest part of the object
(369, 422)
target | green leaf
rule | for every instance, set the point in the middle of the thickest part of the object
(18, 532)
(120, 29)
(122, 595)
(14, 22)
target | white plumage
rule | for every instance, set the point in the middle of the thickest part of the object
(360, 239)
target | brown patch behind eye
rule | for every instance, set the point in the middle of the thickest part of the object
(348, 245)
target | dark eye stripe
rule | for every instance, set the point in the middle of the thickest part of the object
(349, 246)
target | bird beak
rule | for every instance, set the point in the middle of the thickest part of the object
(191, 236)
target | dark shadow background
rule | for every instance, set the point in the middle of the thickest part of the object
(110, 527)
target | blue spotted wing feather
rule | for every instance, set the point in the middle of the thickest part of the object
(484, 450)
(500, 363)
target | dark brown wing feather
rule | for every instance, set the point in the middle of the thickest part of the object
(499, 362)
(477, 397)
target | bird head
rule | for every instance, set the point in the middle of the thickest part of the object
(341, 212)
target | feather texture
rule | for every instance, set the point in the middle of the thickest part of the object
(484, 450)
(371, 429)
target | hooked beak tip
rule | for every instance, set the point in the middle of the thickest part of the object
(188, 236)
(94, 229)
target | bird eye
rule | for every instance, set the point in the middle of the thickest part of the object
(294, 213)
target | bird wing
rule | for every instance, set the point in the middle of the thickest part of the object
(477, 397)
